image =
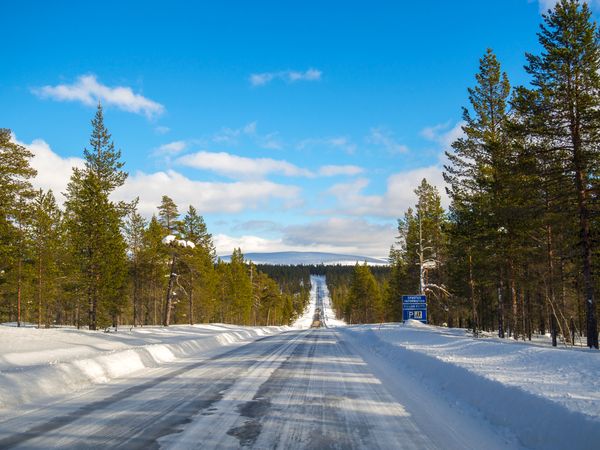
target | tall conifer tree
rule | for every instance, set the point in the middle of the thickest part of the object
(94, 224)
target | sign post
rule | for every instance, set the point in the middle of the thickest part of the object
(414, 307)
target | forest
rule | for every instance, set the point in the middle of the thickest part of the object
(517, 250)
(99, 263)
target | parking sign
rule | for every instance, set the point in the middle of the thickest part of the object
(414, 307)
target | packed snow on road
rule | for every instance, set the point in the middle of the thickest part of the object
(338, 386)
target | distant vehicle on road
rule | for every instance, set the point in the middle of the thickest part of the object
(317, 321)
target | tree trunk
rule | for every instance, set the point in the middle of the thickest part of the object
(473, 301)
(553, 330)
(40, 292)
(191, 298)
(167, 316)
(19, 268)
(135, 293)
(514, 304)
(91, 321)
(500, 309)
(585, 234)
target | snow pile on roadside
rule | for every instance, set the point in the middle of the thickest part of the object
(549, 397)
(40, 363)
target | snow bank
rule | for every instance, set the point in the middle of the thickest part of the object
(550, 398)
(40, 363)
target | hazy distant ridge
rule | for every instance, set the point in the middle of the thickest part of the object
(308, 258)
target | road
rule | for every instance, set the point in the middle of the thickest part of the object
(299, 389)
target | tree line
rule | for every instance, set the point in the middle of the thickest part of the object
(97, 263)
(518, 248)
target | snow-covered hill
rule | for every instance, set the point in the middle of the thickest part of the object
(309, 258)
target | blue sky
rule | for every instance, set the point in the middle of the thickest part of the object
(290, 126)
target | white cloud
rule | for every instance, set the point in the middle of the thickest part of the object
(545, 5)
(269, 141)
(172, 148)
(398, 197)
(89, 91)
(225, 244)
(336, 235)
(290, 76)
(232, 136)
(162, 130)
(385, 138)
(342, 235)
(331, 171)
(340, 142)
(53, 171)
(250, 128)
(207, 197)
(240, 167)
(260, 79)
(443, 134)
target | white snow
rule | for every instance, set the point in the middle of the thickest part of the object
(548, 397)
(168, 239)
(42, 363)
(172, 239)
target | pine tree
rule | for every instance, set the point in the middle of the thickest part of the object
(477, 175)
(200, 263)
(168, 214)
(432, 240)
(241, 288)
(94, 223)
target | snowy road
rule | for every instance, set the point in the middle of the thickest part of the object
(299, 389)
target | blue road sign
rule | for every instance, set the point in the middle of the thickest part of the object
(414, 307)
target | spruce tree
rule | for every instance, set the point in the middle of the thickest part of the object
(94, 223)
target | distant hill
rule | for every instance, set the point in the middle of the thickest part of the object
(308, 258)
